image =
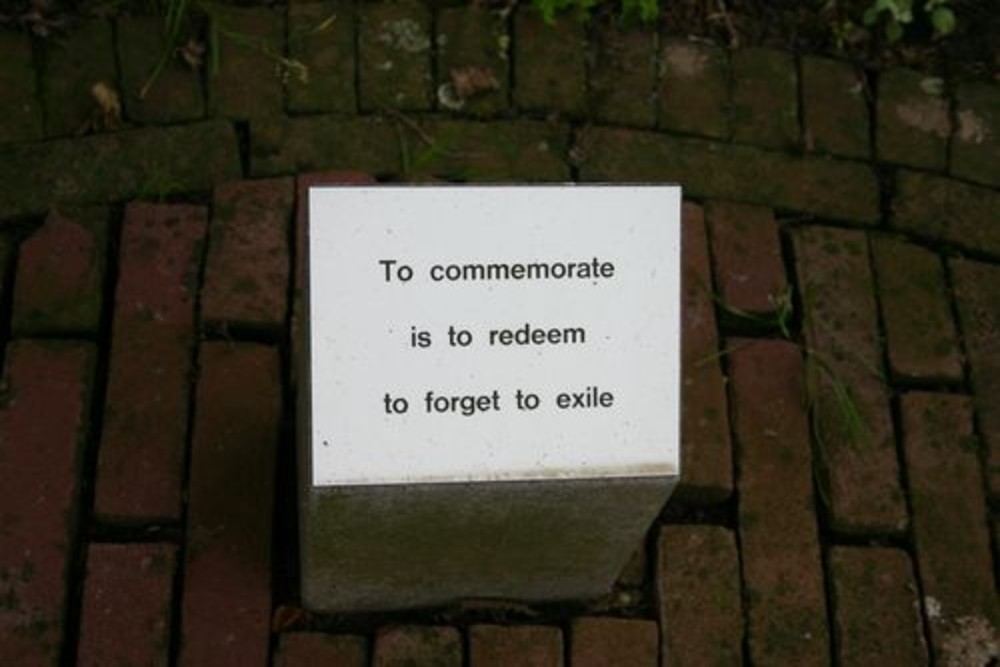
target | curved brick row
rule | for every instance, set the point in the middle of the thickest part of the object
(820, 186)
(152, 162)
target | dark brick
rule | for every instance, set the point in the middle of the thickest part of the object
(706, 455)
(779, 542)
(597, 642)
(820, 186)
(977, 292)
(417, 646)
(950, 527)
(318, 143)
(84, 57)
(395, 56)
(227, 580)
(834, 107)
(149, 163)
(858, 472)
(550, 69)
(22, 118)
(876, 611)
(127, 605)
(140, 462)
(913, 295)
(300, 261)
(7, 257)
(246, 273)
(307, 649)
(913, 121)
(698, 584)
(975, 148)
(321, 37)
(474, 37)
(60, 274)
(765, 98)
(524, 645)
(45, 415)
(623, 78)
(694, 89)
(946, 210)
(249, 82)
(174, 95)
(520, 150)
(749, 273)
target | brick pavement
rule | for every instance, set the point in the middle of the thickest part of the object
(839, 501)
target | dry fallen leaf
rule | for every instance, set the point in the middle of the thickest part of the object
(109, 114)
(289, 618)
(192, 53)
(471, 81)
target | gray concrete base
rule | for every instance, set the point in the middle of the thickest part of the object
(397, 547)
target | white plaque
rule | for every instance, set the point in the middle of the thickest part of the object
(498, 333)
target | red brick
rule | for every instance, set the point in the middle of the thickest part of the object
(227, 580)
(140, 462)
(877, 614)
(834, 108)
(975, 148)
(524, 645)
(749, 273)
(417, 646)
(765, 98)
(300, 260)
(857, 467)
(82, 57)
(246, 273)
(783, 575)
(550, 70)
(43, 422)
(977, 292)
(248, 82)
(706, 455)
(306, 649)
(175, 94)
(950, 527)
(22, 118)
(913, 119)
(60, 274)
(828, 188)
(916, 313)
(698, 586)
(321, 36)
(127, 605)
(945, 210)
(694, 88)
(313, 143)
(469, 36)
(623, 77)
(599, 642)
(394, 57)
